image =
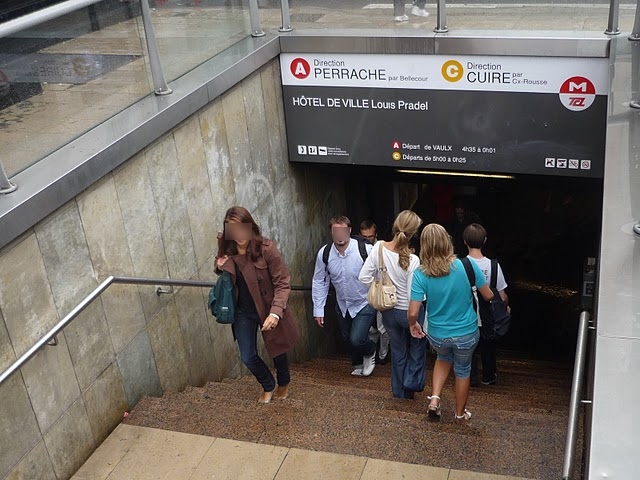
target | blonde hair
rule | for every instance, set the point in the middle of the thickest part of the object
(405, 226)
(436, 251)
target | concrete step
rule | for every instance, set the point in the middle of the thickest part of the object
(518, 427)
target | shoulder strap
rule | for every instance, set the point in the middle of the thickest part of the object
(325, 254)
(494, 273)
(381, 265)
(471, 275)
(362, 247)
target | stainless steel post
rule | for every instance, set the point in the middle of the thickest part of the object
(441, 17)
(286, 16)
(254, 19)
(159, 83)
(614, 15)
(5, 184)
(635, 75)
(635, 33)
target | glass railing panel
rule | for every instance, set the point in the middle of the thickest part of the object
(560, 15)
(190, 32)
(61, 78)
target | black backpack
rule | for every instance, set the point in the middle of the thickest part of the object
(496, 319)
(362, 248)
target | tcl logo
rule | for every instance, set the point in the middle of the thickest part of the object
(577, 93)
(300, 68)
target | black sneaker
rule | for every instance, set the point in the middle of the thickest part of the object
(492, 381)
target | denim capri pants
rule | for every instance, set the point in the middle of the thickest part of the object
(457, 351)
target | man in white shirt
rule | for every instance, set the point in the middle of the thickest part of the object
(369, 231)
(474, 237)
(343, 266)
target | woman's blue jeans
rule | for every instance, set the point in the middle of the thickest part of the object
(408, 354)
(245, 329)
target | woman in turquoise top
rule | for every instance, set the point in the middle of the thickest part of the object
(451, 321)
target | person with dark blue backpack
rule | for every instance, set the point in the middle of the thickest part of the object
(495, 316)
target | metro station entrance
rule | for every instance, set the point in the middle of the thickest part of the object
(540, 229)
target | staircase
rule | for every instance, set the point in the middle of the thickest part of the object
(518, 426)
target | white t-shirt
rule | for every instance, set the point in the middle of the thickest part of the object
(484, 264)
(402, 279)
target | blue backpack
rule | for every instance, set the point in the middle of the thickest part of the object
(221, 300)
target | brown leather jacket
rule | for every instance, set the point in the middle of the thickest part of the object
(268, 281)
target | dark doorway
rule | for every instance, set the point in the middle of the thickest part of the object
(540, 228)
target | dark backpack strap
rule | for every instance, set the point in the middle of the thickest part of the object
(325, 254)
(362, 247)
(494, 273)
(471, 275)
(325, 258)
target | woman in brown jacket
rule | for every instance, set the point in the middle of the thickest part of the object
(262, 288)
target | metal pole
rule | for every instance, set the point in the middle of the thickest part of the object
(635, 33)
(614, 15)
(441, 18)
(5, 184)
(576, 393)
(286, 17)
(159, 83)
(254, 19)
(635, 75)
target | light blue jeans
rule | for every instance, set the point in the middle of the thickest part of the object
(457, 351)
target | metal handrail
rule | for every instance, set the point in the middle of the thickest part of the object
(576, 393)
(43, 15)
(49, 338)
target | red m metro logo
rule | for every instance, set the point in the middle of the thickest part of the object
(577, 93)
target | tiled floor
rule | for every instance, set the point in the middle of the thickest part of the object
(188, 36)
(142, 453)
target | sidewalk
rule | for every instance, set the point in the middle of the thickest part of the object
(142, 453)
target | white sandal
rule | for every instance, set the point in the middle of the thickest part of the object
(434, 410)
(465, 416)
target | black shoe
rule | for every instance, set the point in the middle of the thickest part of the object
(492, 381)
(383, 361)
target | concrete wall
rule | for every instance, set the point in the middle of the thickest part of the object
(157, 215)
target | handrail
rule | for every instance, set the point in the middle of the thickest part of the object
(51, 334)
(576, 393)
(43, 15)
